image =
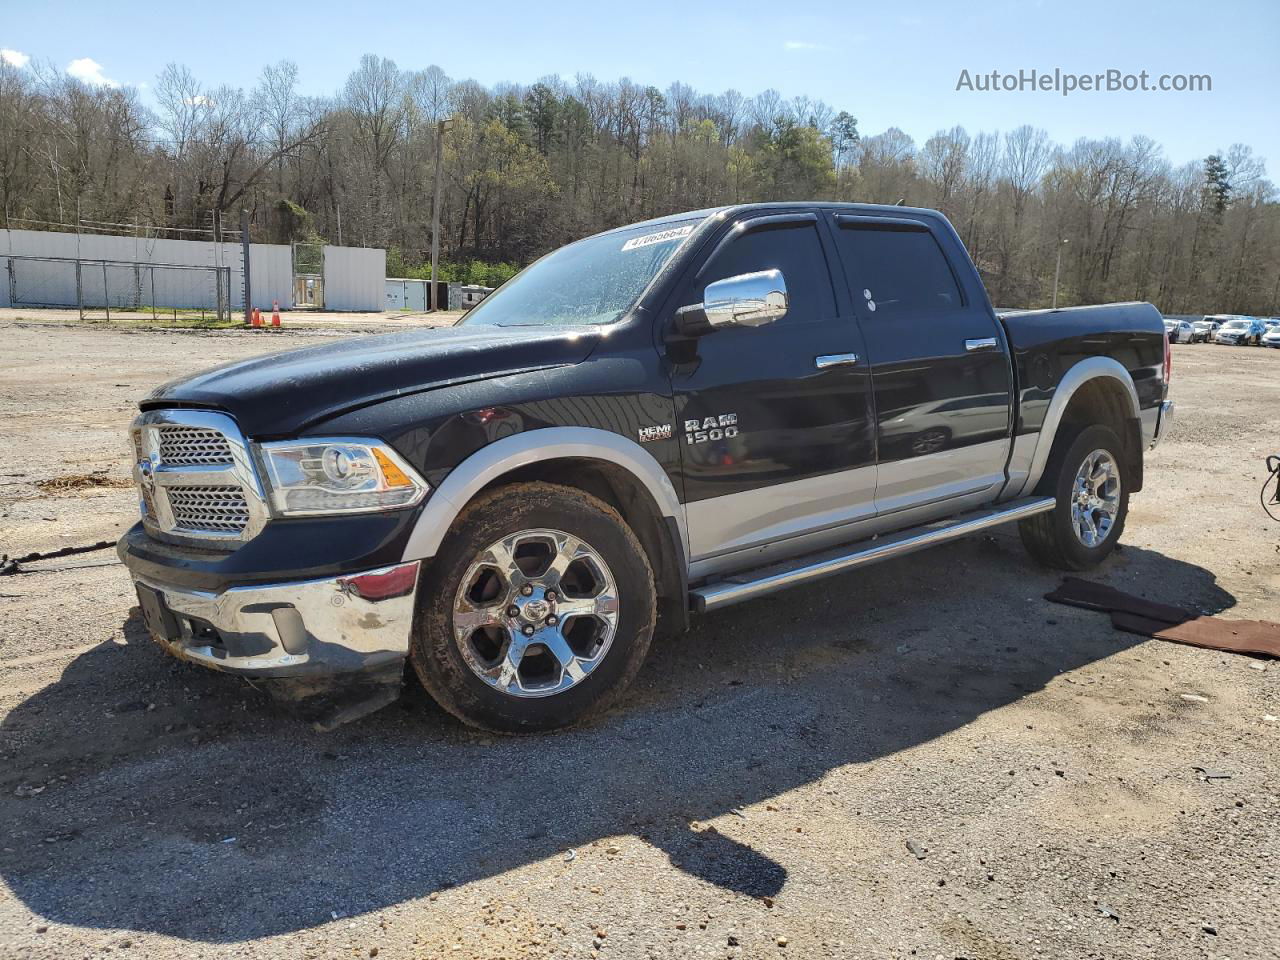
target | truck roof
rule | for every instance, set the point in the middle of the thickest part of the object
(777, 205)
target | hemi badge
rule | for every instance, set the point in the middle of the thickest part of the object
(661, 431)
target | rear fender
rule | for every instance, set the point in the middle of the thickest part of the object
(1028, 462)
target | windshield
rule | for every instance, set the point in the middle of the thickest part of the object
(1235, 325)
(592, 281)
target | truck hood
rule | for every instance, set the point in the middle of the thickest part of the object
(279, 394)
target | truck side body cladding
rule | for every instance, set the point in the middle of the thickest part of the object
(532, 447)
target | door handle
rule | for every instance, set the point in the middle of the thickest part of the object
(983, 343)
(835, 360)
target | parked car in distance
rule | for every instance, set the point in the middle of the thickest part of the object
(1240, 331)
(1179, 331)
(1204, 331)
(1272, 337)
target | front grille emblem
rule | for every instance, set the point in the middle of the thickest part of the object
(147, 473)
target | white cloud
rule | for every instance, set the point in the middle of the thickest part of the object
(90, 71)
(803, 45)
(14, 58)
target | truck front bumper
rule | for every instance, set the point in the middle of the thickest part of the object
(353, 623)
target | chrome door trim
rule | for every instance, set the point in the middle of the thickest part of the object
(836, 360)
(934, 477)
(758, 517)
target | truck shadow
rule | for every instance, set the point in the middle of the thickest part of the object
(182, 802)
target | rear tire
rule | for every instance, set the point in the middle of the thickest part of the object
(536, 613)
(1088, 478)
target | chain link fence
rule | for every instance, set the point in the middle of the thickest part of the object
(99, 289)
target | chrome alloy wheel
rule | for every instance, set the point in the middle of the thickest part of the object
(535, 613)
(1095, 498)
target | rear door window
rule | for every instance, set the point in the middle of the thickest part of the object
(897, 272)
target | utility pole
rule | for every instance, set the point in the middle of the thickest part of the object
(339, 207)
(435, 210)
(1057, 272)
(244, 256)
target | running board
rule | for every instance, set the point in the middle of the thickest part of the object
(756, 583)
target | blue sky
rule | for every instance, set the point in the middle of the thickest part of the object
(886, 63)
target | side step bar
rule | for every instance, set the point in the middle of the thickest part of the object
(756, 583)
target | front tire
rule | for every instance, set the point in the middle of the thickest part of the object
(1088, 479)
(536, 613)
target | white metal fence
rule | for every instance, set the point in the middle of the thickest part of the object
(353, 276)
(97, 287)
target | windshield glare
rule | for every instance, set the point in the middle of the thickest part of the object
(1235, 325)
(592, 281)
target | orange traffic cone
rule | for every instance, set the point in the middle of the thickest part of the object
(275, 313)
(257, 317)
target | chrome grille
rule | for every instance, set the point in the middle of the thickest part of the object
(222, 509)
(182, 446)
(196, 480)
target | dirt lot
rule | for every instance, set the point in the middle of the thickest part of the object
(754, 795)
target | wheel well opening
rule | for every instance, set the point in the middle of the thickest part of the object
(621, 490)
(1104, 400)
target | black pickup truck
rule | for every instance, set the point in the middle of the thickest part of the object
(659, 420)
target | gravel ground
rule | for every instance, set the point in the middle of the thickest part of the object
(924, 759)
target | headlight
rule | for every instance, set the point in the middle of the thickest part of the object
(306, 477)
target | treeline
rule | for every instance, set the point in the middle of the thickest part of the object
(527, 168)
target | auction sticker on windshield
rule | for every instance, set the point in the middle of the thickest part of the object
(661, 237)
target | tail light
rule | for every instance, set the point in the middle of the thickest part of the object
(1168, 359)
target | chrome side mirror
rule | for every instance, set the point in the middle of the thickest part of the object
(747, 300)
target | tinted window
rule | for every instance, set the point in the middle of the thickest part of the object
(797, 252)
(904, 271)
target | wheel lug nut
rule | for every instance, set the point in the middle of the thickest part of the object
(526, 591)
(528, 631)
(551, 595)
(552, 620)
(513, 611)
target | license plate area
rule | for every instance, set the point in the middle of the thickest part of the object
(157, 616)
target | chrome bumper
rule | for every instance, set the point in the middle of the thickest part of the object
(307, 628)
(1164, 422)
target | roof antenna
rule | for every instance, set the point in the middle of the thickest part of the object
(901, 201)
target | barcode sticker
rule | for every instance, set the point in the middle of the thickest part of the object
(649, 239)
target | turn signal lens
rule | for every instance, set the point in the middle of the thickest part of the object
(391, 473)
